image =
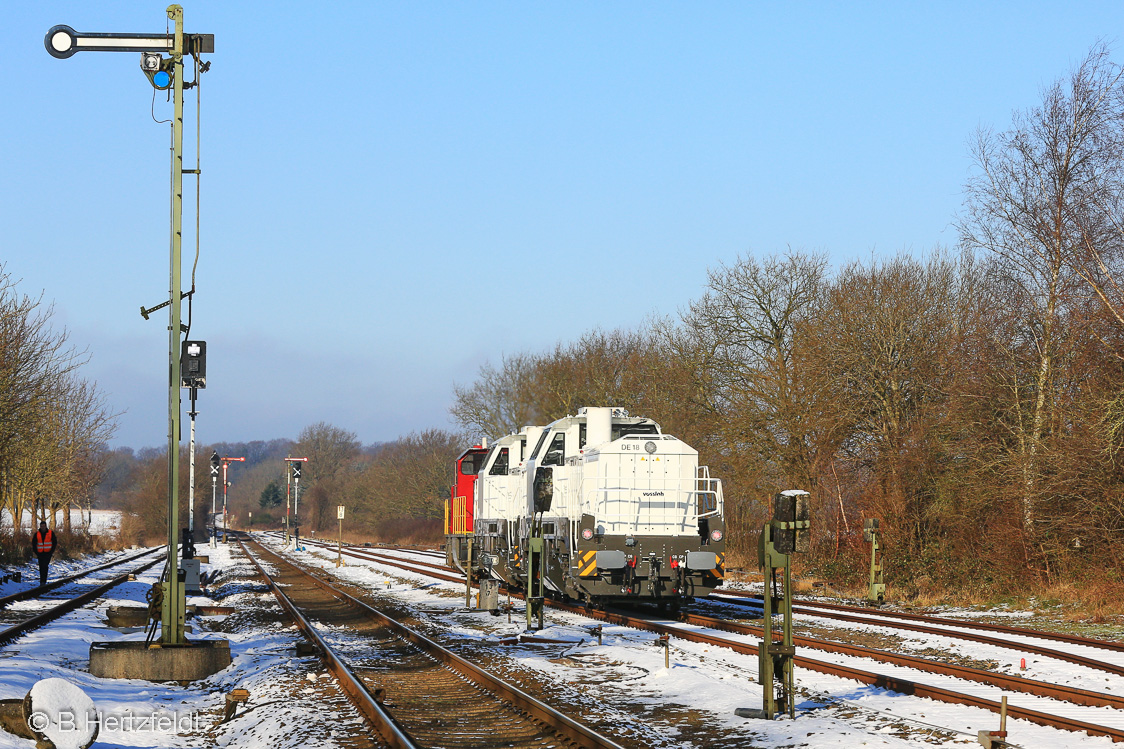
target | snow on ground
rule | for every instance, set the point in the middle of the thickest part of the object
(137, 713)
(834, 712)
(59, 568)
(102, 522)
(1008, 658)
(62, 650)
(704, 682)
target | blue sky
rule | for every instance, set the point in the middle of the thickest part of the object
(394, 193)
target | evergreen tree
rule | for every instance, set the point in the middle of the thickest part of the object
(271, 495)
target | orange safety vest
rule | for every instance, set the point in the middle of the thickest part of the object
(43, 543)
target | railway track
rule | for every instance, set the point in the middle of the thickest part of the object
(905, 686)
(39, 619)
(1023, 647)
(936, 625)
(39, 590)
(413, 691)
(982, 676)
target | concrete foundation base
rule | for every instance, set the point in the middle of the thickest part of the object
(203, 558)
(127, 616)
(136, 660)
(195, 610)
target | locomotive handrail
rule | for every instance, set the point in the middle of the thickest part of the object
(456, 517)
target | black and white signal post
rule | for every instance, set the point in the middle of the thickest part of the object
(294, 524)
(193, 375)
(216, 461)
(339, 554)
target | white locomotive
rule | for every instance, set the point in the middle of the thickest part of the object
(623, 511)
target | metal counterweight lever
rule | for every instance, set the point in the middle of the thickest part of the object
(146, 312)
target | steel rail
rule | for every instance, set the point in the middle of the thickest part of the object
(897, 684)
(428, 565)
(379, 719)
(372, 555)
(440, 573)
(69, 605)
(1081, 660)
(40, 589)
(1073, 695)
(894, 683)
(1005, 629)
(563, 724)
(1084, 697)
(1039, 650)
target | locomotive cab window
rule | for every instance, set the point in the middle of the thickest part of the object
(538, 445)
(500, 466)
(623, 430)
(471, 464)
(556, 452)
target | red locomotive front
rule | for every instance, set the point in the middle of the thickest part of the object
(459, 508)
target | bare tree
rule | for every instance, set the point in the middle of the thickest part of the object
(330, 450)
(882, 335)
(1038, 205)
(501, 400)
(742, 335)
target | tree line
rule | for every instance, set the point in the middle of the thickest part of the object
(392, 491)
(969, 398)
(53, 422)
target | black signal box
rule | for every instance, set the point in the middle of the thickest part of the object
(792, 520)
(193, 364)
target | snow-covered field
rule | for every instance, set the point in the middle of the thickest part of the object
(102, 522)
(712, 682)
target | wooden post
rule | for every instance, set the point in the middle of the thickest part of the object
(339, 551)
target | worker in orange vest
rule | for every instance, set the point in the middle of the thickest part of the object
(43, 544)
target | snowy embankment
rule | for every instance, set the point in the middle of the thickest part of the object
(293, 704)
(711, 682)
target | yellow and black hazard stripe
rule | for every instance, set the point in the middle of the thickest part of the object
(719, 571)
(586, 563)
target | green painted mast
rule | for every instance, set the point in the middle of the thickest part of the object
(172, 613)
(63, 42)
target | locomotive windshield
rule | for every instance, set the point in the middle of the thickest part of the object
(500, 466)
(623, 430)
(556, 453)
(471, 464)
(538, 445)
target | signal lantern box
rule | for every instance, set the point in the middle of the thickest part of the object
(792, 513)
